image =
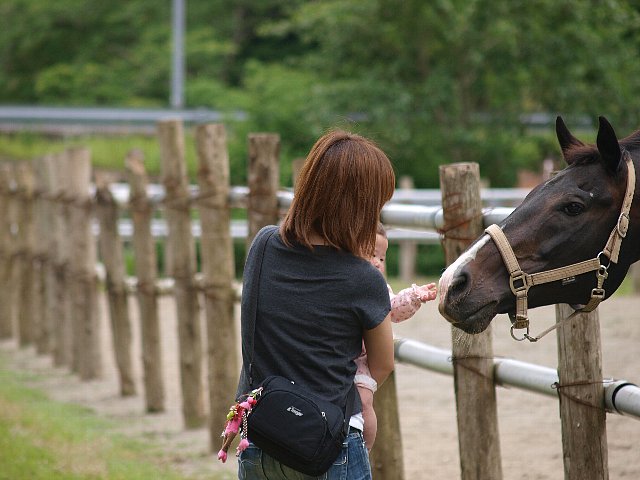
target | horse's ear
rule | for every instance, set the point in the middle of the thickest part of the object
(565, 138)
(608, 145)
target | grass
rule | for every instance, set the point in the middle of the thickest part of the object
(107, 152)
(44, 440)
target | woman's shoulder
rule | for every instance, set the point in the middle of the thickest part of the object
(263, 235)
(266, 230)
(362, 273)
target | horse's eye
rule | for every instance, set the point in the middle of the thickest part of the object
(574, 209)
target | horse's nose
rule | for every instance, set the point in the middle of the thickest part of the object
(458, 285)
(453, 290)
(455, 285)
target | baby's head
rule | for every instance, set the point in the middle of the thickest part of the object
(380, 252)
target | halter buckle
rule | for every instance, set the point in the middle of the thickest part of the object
(623, 224)
(518, 276)
(598, 293)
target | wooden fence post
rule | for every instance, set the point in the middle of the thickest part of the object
(59, 279)
(87, 361)
(43, 230)
(146, 272)
(6, 254)
(634, 271)
(13, 273)
(296, 166)
(478, 436)
(113, 259)
(33, 291)
(26, 241)
(218, 271)
(408, 248)
(263, 180)
(581, 393)
(182, 267)
(386, 455)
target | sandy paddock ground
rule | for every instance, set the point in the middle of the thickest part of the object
(529, 423)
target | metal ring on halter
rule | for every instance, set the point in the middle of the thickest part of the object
(525, 337)
(598, 257)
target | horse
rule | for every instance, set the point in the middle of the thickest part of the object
(571, 240)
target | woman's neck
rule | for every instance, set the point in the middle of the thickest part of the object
(316, 239)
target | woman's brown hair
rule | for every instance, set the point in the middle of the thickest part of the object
(342, 187)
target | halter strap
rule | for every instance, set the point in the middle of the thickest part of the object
(520, 282)
(612, 248)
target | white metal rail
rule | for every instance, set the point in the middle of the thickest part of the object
(620, 396)
(419, 221)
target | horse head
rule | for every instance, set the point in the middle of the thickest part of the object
(567, 220)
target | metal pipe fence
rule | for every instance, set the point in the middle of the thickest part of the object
(620, 396)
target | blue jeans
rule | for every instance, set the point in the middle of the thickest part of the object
(351, 464)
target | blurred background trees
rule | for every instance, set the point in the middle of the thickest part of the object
(433, 82)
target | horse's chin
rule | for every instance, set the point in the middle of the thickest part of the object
(475, 322)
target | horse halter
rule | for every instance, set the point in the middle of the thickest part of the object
(520, 282)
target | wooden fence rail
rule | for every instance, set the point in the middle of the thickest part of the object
(48, 257)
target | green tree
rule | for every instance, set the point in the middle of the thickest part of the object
(84, 52)
(432, 82)
(446, 81)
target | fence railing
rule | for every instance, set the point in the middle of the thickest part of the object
(620, 396)
(48, 257)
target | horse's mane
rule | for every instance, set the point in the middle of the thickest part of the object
(585, 154)
(632, 142)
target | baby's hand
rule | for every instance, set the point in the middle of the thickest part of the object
(425, 292)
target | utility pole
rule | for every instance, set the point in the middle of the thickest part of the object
(178, 63)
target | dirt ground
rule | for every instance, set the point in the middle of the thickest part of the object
(529, 423)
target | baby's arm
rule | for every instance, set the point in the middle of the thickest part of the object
(363, 376)
(407, 302)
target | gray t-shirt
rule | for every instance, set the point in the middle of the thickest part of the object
(312, 309)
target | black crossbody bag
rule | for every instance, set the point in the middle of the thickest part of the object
(289, 423)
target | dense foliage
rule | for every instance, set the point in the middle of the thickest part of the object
(434, 82)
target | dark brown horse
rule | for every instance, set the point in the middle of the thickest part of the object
(568, 220)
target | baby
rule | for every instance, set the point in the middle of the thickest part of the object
(403, 306)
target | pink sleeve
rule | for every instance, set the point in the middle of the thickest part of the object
(404, 305)
(362, 364)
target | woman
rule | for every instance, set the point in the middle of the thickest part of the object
(318, 294)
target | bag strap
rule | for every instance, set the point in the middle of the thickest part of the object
(348, 409)
(260, 244)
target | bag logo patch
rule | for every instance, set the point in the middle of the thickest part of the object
(295, 411)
